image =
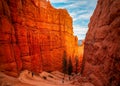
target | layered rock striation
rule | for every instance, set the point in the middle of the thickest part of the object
(102, 45)
(33, 36)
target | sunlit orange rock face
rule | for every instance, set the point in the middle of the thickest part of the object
(79, 53)
(102, 45)
(33, 36)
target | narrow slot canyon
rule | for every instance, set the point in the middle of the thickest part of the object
(38, 45)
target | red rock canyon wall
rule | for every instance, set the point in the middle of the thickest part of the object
(102, 45)
(33, 36)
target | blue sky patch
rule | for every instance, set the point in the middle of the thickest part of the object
(80, 11)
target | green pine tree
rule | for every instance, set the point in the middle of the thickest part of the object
(70, 67)
(64, 63)
(76, 64)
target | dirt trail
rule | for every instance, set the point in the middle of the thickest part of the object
(28, 78)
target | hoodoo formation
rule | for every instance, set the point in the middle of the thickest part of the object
(33, 36)
(102, 45)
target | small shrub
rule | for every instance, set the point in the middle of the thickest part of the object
(44, 77)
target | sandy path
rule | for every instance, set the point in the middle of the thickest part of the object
(26, 79)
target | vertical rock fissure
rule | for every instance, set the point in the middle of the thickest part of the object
(17, 43)
(13, 51)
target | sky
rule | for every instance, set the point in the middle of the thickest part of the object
(80, 11)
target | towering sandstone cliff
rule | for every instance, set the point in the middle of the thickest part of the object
(33, 36)
(102, 45)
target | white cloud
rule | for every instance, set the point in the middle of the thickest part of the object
(80, 30)
(58, 1)
(77, 12)
(75, 4)
(85, 16)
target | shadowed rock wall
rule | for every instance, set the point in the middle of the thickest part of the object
(102, 45)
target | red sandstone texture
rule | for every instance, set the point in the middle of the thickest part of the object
(102, 45)
(33, 36)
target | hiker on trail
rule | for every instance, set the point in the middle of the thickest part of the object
(69, 77)
(32, 74)
(63, 80)
(28, 72)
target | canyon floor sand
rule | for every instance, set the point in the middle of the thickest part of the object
(28, 78)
